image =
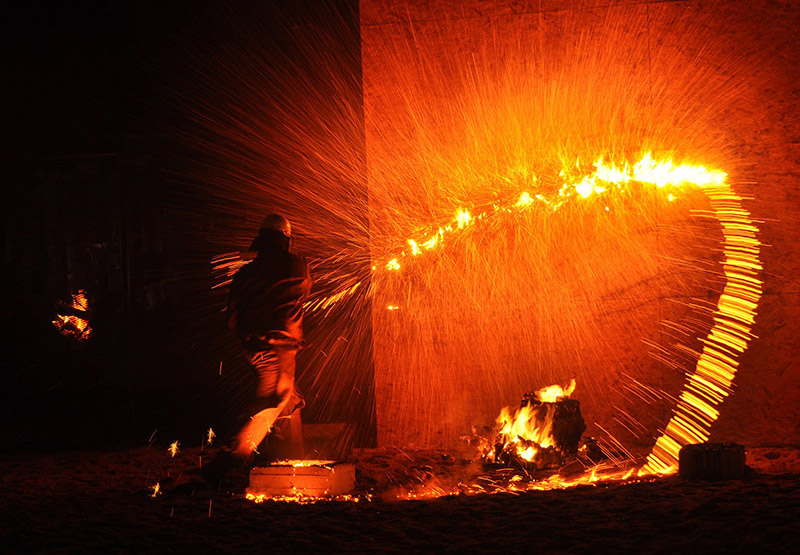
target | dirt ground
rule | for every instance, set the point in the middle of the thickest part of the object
(101, 501)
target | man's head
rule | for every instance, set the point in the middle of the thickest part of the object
(274, 234)
(276, 222)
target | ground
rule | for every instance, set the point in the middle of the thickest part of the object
(101, 501)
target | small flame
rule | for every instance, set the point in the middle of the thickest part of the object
(210, 435)
(156, 490)
(174, 448)
(70, 324)
(553, 393)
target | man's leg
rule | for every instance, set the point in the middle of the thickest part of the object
(275, 369)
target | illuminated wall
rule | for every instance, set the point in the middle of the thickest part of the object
(469, 103)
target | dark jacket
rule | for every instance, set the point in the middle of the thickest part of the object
(266, 297)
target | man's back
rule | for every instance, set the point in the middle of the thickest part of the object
(267, 297)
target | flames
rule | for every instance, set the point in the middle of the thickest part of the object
(72, 318)
(524, 432)
(527, 434)
(553, 393)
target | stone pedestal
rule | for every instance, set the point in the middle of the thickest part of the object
(311, 478)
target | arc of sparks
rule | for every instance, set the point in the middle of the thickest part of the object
(712, 380)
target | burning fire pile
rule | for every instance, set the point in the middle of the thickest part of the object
(541, 435)
(72, 318)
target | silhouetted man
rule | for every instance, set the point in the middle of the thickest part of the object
(266, 313)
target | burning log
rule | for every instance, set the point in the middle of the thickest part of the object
(568, 424)
(711, 461)
(540, 435)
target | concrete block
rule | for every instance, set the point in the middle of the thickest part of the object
(312, 478)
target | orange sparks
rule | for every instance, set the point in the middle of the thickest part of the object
(605, 178)
(712, 380)
(174, 448)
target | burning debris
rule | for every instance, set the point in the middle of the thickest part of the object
(72, 318)
(541, 434)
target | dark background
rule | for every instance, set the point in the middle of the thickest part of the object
(97, 195)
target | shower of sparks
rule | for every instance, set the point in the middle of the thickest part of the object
(174, 449)
(486, 245)
(712, 380)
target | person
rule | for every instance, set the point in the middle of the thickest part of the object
(265, 311)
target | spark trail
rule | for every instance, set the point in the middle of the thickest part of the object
(711, 382)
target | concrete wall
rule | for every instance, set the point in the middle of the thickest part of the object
(464, 100)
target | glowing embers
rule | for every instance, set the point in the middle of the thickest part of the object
(541, 434)
(72, 319)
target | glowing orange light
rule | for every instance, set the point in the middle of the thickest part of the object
(71, 324)
(553, 393)
(712, 379)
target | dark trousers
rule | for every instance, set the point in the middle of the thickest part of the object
(276, 386)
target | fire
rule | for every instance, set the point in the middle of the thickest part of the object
(210, 435)
(525, 432)
(529, 430)
(711, 381)
(71, 324)
(553, 393)
(174, 449)
(156, 489)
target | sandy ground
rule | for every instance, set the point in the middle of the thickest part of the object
(101, 501)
